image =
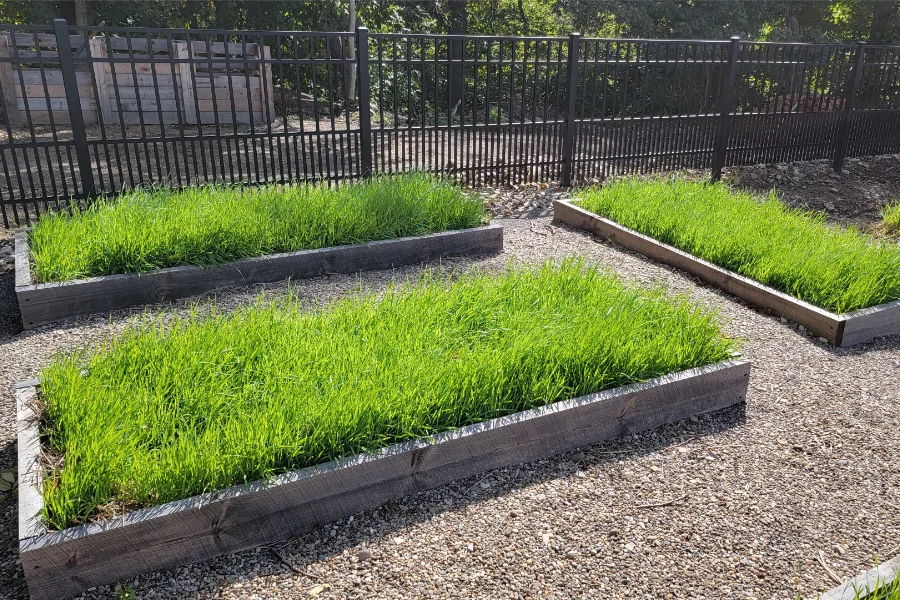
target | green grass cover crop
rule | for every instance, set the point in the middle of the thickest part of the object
(150, 229)
(890, 217)
(172, 409)
(791, 250)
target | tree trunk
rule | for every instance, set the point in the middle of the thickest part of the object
(81, 12)
(882, 12)
(458, 26)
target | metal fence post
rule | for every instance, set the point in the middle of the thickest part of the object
(73, 102)
(725, 113)
(572, 89)
(852, 88)
(365, 110)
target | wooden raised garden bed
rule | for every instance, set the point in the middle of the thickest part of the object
(839, 329)
(63, 563)
(48, 302)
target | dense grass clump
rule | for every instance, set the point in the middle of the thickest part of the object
(151, 229)
(166, 411)
(890, 217)
(794, 251)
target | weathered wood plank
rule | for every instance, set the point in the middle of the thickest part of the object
(136, 44)
(203, 80)
(146, 93)
(223, 93)
(30, 502)
(47, 40)
(201, 48)
(53, 91)
(819, 321)
(46, 303)
(67, 562)
(859, 587)
(151, 105)
(126, 81)
(32, 76)
(186, 78)
(54, 104)
(863, 325)
(267, 86)
(61, 117)
(101, 79)
(8, 86)
(22, 258)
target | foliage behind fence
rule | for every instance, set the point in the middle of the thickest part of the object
(483, 110)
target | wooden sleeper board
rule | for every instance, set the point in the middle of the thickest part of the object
(839, 329)
(49, 302)
(64, 563)
(869, 581)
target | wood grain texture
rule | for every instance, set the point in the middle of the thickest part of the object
(30, 502)
(46, 303)
(8, 86)
(101, 78)
(186, 77)
(67, 562)
(863, 325)
(21, 258)
(869, 581)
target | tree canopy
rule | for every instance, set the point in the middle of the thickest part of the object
(876, 21)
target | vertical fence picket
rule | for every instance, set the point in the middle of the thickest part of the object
(484, 110)
(73, 100)
(365, 109)
(571, 90)
(725, 112)
(852, 88)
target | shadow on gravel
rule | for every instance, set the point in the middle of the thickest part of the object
(13, 585)
(294, 555)
(10, 321)
(291, 557)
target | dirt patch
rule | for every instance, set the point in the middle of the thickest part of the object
(856, 195)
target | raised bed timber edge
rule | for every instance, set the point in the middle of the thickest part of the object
(48, 302)
(64, 563)
(861, 586)
(839, 329)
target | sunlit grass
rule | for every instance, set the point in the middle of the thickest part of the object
(890, 217)
(169, 410)
(791, 250)
(882, 591)
(151, 229)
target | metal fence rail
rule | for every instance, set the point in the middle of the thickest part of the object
(89, 111)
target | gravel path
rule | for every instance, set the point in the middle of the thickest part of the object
(752, 495)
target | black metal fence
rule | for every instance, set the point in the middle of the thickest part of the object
(88, 111)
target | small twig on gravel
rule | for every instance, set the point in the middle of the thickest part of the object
(828, 569)
(660, 504)
(536, 231)
(682, 443)
(291, 566)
